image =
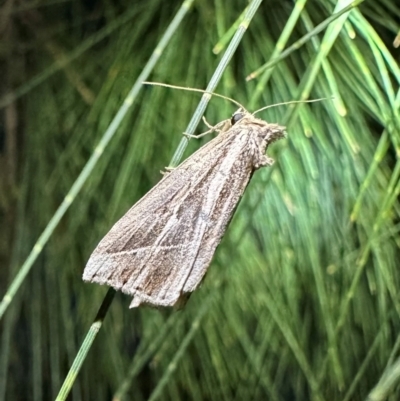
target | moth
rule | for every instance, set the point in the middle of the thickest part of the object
(160, 250)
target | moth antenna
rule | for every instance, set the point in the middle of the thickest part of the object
(293, 102)
(184, 88)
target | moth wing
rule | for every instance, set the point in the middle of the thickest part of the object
(161, 248)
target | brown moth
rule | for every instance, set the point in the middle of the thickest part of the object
(159, 251)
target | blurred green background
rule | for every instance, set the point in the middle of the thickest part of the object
(301, 301)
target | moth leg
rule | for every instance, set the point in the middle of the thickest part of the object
(207, 123)
(199, 135)
(264, 161)
(167, 170)
(220, 127)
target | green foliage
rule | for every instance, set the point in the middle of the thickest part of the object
(301, 301)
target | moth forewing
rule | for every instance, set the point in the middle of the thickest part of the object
(159, 251)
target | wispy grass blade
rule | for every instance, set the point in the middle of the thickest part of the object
(229, 33)
(319, 28)
(86, 346)
(280, 45)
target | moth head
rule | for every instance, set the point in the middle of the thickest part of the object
(238, 115)
(271, 133)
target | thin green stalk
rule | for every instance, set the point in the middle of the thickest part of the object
(381, 151)
(252, 8)
(229, 33)
(86, 171)
(319, 28)
(326, 66)
(86, 345)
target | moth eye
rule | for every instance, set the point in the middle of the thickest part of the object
(236, 117)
